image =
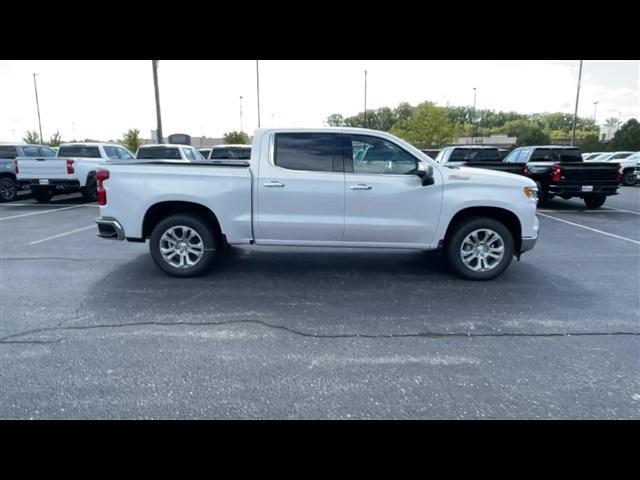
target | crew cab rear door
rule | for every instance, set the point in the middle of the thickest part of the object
(300, 189)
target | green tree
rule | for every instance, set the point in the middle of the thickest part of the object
(590, 143)
(31, 136)
(55, 140)
(403, 112)
(428, 126)
(335, 120)
(611, 122)
(527, 133)
(628, 137)
(236, 138)
(132, 139)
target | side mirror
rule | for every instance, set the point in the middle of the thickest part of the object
(425, 172)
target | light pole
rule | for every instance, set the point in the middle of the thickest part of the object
(365, 99)
(575, 112)
(154, 64)
(241, 113)
(35, 85)
(258, 89)
(595, 107)
(473, 119)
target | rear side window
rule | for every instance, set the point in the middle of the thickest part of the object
(490, 155)
(79, 151)
(8, 152)
(316, 152)
(31, 151)
(111, 152)
(158, 153)
(47, 152)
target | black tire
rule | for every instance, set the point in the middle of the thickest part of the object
(41, 194)
(595, 200)
(454, 244)
(628, 178)
(90, 190)
(8, 189)
(207, 235)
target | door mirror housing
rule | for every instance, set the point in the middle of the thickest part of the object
(425, 172)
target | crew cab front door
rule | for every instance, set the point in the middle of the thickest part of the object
(300, 190)
(385, 201)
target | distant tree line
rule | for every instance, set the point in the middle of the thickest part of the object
(430, 126)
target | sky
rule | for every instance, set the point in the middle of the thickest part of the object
(103, 99)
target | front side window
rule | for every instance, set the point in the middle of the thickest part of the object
(316, 152)
(123, 153)
(371, 155)
(111, 152)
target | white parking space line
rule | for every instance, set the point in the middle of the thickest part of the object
(39, 213)
(623, 210)
(591, 229)
(61, 235)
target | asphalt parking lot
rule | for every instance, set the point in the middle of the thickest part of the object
(92, 329)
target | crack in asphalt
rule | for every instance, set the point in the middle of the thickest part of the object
(6, 340)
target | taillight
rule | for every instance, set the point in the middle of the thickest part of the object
(556, 172)
(619, 172)
(70, 168)
(101, 176)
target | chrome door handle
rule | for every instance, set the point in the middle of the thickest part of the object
(360, 186)
(274, 183)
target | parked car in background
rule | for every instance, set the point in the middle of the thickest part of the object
(238, 152)
(205, 152)
(73, 169)
(433, 153)
(635, 158)
(559, 171)
(9, 182)
(477, 156)
(628, 166)
(311, 187)
(168, 151)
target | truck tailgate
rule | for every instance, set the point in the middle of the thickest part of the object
(41, 167)
(589, 172)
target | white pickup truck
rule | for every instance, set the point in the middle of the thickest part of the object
(73, 169)
(333, 187)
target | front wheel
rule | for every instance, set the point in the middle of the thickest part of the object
(595, 201)
(479, 248)
(8, 190)
(182, 245)
(41, 194)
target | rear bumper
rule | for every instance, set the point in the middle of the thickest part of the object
(110, 228)
(576, 190)
(55, 183)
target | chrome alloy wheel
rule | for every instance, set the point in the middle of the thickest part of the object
(181, 246)
(482, 250)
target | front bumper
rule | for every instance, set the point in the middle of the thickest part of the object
(528, 243)
(110, 228)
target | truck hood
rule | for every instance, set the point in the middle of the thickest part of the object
(487, 177)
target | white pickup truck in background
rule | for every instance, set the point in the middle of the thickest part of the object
(168, 152)
(330, 187)
(73, 169)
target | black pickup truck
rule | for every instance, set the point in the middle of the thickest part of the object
(558, 170)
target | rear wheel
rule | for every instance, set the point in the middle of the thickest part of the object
(183, 245)
(594, 201)
(629, 178)
(479, 248)
(90, 190)
(8, 190)
(41, 194)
